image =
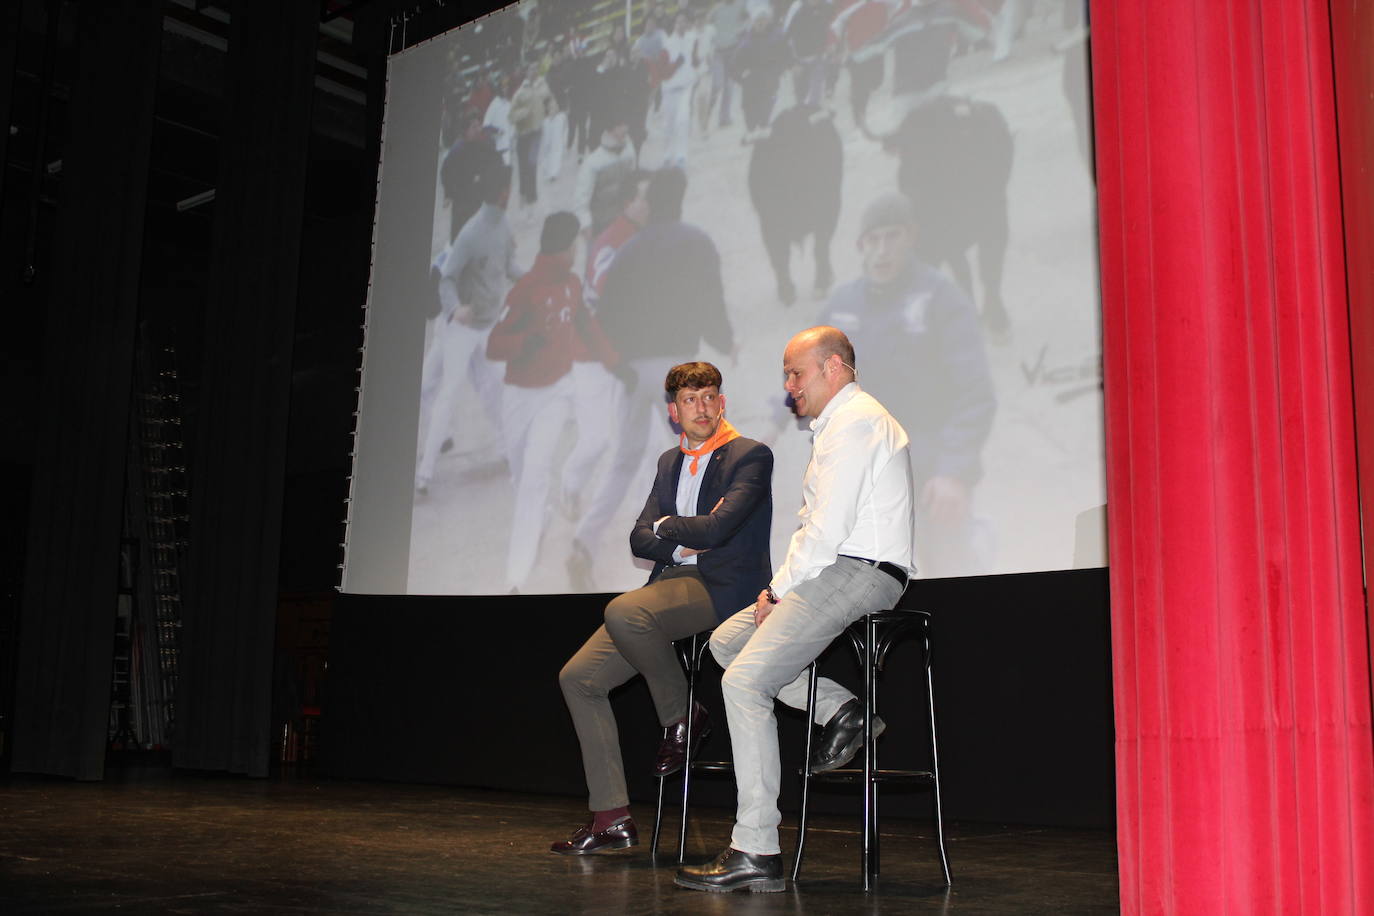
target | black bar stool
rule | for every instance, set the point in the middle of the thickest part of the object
(871, 638)
(691, 652)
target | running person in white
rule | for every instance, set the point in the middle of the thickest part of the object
(474, 274)
(852, 555)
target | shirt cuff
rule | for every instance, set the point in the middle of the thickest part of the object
(659, 522)
(677, 554)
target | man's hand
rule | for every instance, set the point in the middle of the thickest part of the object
(946, 499)
(689, 552)
(762, 608)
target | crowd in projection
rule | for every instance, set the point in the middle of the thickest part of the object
(621, 287)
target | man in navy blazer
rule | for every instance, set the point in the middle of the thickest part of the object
(706, 527)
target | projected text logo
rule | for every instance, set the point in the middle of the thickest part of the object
(1076, 379)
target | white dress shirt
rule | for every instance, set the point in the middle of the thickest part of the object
(857, 493)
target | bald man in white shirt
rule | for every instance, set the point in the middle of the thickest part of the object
(852, 555)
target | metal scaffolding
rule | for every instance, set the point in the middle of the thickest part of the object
(148, 621)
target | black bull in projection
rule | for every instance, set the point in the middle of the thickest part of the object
(954, 161)
(794, 183)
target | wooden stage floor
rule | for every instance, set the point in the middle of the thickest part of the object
(154, 841)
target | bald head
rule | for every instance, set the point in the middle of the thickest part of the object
(817, 363)
(828, 342)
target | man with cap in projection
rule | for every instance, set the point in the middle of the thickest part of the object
(851, 556)
(924, 358)
(705, 526)
(546, 335)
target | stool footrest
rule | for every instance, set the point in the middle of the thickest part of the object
(851, 775)
(712, 766)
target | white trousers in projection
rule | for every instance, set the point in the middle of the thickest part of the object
(538, 434)
(677, 125)
(457, 357)
(551, 144)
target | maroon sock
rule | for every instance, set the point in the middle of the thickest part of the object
(603, 819)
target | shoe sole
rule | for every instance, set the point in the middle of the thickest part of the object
(755, 885)
(609, 847)
(851, 749)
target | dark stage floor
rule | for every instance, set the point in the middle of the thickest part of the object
(154, 842)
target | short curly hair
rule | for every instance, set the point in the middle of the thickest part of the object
(691, 375)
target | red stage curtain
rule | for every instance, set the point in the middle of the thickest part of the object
(1245, 782)
(1352, 26)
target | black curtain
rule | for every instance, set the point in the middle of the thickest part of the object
(9, 53)
(224, 701)
(62, 690)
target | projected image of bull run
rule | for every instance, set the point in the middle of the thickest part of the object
(623, 187)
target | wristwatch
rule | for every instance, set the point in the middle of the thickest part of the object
(772, 596)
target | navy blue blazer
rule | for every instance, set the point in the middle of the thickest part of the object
(736, 564)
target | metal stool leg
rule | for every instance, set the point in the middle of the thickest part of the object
(934, 753)
(868, 854)
(806, 771)
(658, 816)
(684, 657)
(694, 654)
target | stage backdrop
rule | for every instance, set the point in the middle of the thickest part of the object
(482, 470)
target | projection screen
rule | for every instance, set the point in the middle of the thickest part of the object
(736, 171)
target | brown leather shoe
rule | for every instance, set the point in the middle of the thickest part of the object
(672, 752)
(733, 870)
(585, 841)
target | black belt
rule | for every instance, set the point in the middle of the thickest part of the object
(892, 569)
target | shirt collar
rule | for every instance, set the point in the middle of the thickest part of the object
(841, 398)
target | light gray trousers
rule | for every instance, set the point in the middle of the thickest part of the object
(768, 662)
(637, 638)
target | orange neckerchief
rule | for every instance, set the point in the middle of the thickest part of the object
(724, 433)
